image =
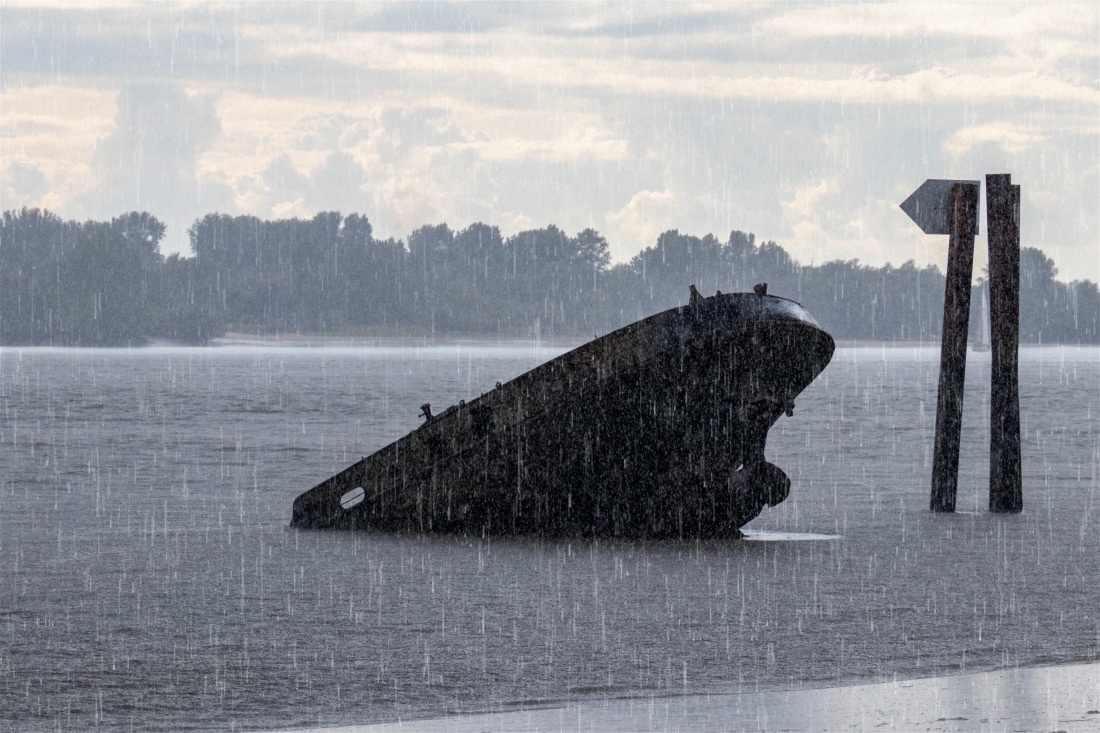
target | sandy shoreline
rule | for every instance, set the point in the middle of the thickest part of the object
(1062, 698)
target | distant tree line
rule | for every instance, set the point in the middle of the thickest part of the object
(98, 284)
(105, 283)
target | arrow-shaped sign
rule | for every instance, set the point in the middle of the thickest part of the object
(931, 205)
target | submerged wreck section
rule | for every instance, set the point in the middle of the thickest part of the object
(656, 430)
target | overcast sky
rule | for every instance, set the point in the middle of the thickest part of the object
(804, 123)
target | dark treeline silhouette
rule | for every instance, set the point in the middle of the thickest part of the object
(105, 283)
(97, 284)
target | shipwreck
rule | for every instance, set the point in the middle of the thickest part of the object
(656, 430)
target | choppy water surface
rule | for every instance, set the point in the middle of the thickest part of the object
(149, 579)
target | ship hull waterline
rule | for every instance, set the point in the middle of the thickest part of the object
(656, 430)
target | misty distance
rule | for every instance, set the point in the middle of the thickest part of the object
(106, 283)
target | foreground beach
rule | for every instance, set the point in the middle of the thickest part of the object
(1064, 698)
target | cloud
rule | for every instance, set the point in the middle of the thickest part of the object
(1013, 139)
(807, 201)
(23, 182)
(50, 129)
(149, 161)
(820, 230)
(786, 69)
(642, 220)
(283, 190)
(1017, 20)
(436, 17)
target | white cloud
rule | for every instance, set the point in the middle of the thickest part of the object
(808, 200)
(641, 221)
(533, 63)
(1013, 21)
(50, 129)
(149, 160)
(1013, 139)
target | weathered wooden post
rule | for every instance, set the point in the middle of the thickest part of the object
(1003, 219)
(949, 207)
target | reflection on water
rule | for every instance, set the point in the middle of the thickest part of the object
(763, 535)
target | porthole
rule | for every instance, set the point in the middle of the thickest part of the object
(353, 497)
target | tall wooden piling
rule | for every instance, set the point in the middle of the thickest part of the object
(1003, 217)
(956, 316)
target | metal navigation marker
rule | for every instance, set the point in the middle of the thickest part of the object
(931, 206)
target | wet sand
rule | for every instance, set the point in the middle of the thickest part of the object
(1063, 698)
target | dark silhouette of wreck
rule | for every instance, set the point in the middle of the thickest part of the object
(656, 430)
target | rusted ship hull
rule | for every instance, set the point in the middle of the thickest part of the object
(655, 430)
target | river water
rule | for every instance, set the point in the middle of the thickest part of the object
(149, 580)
